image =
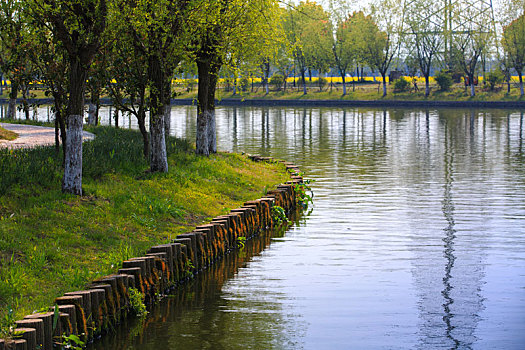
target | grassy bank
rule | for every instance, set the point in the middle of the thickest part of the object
(369, 91)
(361, 91)
(7, 135)
(51, 242)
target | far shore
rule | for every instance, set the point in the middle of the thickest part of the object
(379, 103)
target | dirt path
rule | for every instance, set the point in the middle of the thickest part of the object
(32, 136)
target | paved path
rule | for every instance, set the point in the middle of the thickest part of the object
(32, 136)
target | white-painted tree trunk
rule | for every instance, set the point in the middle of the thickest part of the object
(11, 108)
(167, 120)
(72, 182)
(202, 141)
(212, 133)
(472, 89)
(158, 156)
(92, 109)
(384, 87)
(427, 87)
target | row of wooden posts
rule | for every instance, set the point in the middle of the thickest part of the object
(90, 313)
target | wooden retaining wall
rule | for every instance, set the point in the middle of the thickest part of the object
(92, 312)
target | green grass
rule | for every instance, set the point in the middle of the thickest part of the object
(7, 135)
(52, 242)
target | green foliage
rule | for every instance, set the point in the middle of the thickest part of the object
(401, 85)
(279, 215)
(495, 77)
(244, 83)
(277, 80)
(73, 342)
(241, 242)
(444, 80)
(303, 193)
(136, 302)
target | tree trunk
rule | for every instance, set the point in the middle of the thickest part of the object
(116, 116)
(25, 104)
(520, 77)
(472, 88)
(206, 138)
(91, 113)
(158, 155)
(57, 136)
(167, 119)
(141, 120)
(427, 86)
(72, 182)
(344, 82)
(11, 108)
(384, 83)
(304, 81)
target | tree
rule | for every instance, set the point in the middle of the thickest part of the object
(348, 45)
(157, 35)
(382, 40)
(514, 45)
(15, 52)
(425, 38)
(316, 37)
(79, 27)
(225, 28)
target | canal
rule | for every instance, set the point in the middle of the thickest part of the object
(416, 239)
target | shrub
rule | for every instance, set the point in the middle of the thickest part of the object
(244, 83)
(277, 80)
(444, 80)
(495, 77)
(401, 85)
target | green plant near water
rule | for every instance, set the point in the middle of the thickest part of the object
(304, 193)
(241, 242)
(136, 301)
(72, 341)
(279, 215)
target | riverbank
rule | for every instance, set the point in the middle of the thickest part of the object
(52, 243)
(306, 101)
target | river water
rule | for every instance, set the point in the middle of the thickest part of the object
(416, 239)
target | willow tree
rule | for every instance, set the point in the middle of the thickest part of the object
(316, 37)
(153, 33)
(79, 26)
(308, 30)
(15, 52)
(349, 46)
(221, 28)
(382, 35)
(514, 45)
(425, 40)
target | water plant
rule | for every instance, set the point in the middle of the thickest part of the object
(279, 215)
(136, 302)
(304, 193)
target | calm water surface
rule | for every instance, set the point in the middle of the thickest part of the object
(416, 239)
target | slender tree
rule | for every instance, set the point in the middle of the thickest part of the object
(514, 45)
(425, 38)
(383, 36)
(79, 26)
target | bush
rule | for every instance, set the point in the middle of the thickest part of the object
(401, 85)
(277, 80)
(444, 80)
(244, 83)
(495, 77)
